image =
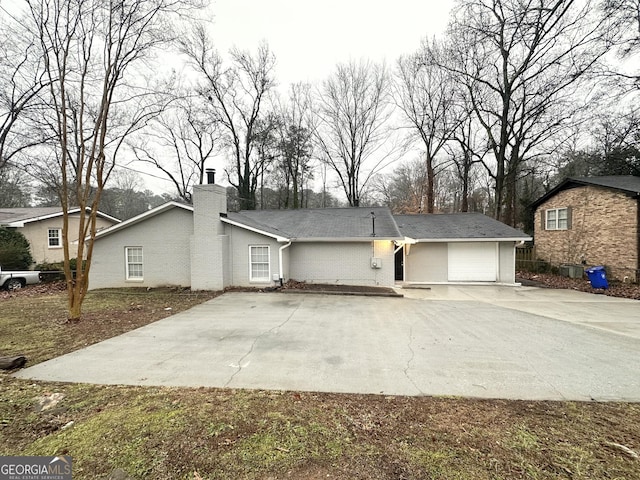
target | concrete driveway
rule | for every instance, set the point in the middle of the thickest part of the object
(494, 342)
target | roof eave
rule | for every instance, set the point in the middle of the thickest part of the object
(278, 238)
(345, 239)
(473, 239)
(21, 223)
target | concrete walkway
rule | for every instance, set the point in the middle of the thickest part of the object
(493, 342)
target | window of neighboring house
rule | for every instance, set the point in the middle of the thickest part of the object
(557, 219)
(55, 237)
(259, 263)
(134, 263)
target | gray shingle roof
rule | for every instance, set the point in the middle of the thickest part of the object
(628, 184)
(10, 215)
(322, 223)
(455, 226)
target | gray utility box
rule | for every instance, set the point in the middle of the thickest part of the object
(571, 271)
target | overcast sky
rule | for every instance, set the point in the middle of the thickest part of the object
(309, 38)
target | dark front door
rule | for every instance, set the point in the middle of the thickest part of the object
(399, 260)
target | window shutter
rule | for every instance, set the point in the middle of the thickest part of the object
(569, 212)
(543, 219)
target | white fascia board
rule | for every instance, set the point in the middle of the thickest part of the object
(408, 241)
(21, 223)
(454, 240)
(278, 238)
(139, 218)
(109, 217)
(344, 239)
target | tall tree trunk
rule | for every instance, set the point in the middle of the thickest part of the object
(510, 197)
(465, 183)
(430, 186)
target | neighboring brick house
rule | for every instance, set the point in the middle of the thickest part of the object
(591, 221)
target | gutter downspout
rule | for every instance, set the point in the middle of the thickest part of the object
(281, 262)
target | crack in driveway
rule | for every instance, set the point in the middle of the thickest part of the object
(255, 342)
(410, 360)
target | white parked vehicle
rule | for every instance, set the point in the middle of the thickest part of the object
(15, 280)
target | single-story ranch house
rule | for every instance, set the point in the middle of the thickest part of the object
(205, 247)
(42, 227)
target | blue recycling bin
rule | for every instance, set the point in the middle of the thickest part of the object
(597, 277)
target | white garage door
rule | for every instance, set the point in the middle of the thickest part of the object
(472, 262)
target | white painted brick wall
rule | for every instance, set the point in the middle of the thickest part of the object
(165, 248)
(346, 263)
(239, 242)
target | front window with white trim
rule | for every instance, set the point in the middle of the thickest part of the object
(557, 219)
(134, 263)
(259, 268)
(55, 237)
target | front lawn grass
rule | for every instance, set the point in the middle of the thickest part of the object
(205, 433)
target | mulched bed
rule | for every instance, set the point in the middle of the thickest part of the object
(303, 287)
(616, 289)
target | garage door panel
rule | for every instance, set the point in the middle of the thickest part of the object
(472, 262)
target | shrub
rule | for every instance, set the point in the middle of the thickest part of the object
(57, 267)
(15, 251)
(54, 266)
(49, 267)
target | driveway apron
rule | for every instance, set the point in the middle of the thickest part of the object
(524, 344)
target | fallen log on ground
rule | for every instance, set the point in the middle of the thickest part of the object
(10, 363)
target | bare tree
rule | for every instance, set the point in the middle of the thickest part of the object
(14, 188)
(90, 49)
(467, 148)
(236, 96)
(266, 151)
(520, 61)
(350, 129)
(22, 78)
(125, 197)
(426, 96)
(404, 190)
(626, 18)
(178, 143)
(295, 148)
